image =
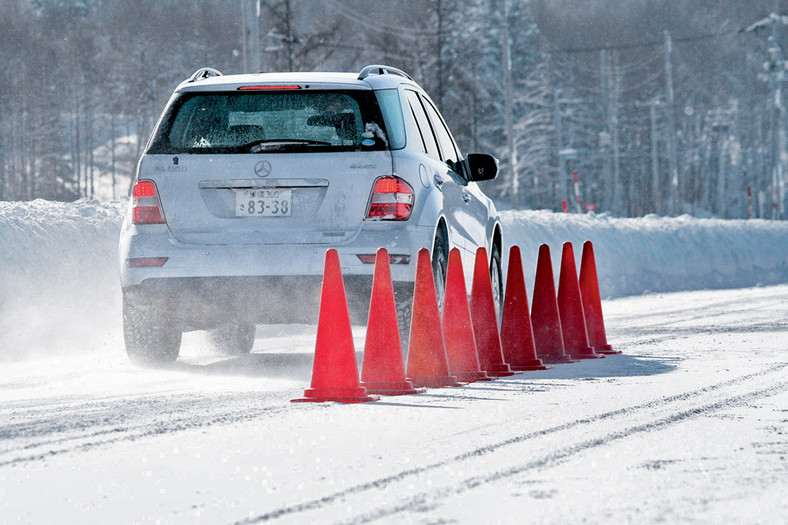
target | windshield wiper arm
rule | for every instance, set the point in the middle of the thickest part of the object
(278, 144)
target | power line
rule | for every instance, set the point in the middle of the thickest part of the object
(653, 43)
(376, 24)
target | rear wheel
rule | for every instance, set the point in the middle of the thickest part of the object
(151, 340)
(232, 339)
(440, 262)
(496, 278)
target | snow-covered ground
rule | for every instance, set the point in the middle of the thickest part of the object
(689, 424)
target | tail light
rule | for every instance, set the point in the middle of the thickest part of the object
(392, 200)
(145, 203)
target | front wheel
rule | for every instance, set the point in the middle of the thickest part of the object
(151, 340)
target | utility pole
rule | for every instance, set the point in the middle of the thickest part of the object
(559, 137)
(656, 187)
(673, 206)
(775, 75)
(250, 25)
(618, 188)
(609, 138)
(604, 136)
(506, 49)
(439, 13)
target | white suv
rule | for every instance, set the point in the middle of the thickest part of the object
(248, 179)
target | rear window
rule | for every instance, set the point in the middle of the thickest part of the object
(271, 121)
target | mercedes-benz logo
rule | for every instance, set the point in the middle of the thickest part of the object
(262, 168)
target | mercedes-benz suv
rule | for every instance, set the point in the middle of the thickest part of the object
(248, 179)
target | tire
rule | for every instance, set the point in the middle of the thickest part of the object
(150, 339)
(232, 339)
(440, 262)
(496, 278)
(404, 313)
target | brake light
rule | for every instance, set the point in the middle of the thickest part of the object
(146, 207)
(266, 88)
(392, 200)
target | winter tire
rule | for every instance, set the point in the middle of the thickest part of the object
(496, 278)
(440, 262)
(232, 339)
(150, 339)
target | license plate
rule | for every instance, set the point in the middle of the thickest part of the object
(274, 202)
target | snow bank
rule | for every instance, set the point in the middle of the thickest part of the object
(59, 284)
(59, 279)
(657, 254)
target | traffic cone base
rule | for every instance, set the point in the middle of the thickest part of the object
(585, 353)
(340, 395)
(434, 382)
(471, 376)
(398, 388)
(606, 349)
(530, 365)
(556, 359)
(500, 370)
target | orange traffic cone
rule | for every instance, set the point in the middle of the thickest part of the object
(334, 369)
(427, 361)
(570, 308)
(517, 335)
(382, 369)
(544, 313)
(592, 303)
(457, 327)
(485, 322)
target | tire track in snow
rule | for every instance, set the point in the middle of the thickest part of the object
(709, 310)
(86, 426)
(427, 499)
(675, 415)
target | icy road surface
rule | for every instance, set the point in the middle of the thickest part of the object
(690, 424)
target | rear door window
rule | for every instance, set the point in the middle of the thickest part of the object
(448, 148)
(425, 129)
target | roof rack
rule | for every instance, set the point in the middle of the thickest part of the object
(381, 70)
(203, 73)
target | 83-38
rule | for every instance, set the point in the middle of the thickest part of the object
(271, 207)
(264, 203)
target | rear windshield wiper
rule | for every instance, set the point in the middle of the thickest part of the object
(260, 146)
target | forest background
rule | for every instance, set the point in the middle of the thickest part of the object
(627, 107)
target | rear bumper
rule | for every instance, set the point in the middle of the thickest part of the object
(201, 287)
(198, 303)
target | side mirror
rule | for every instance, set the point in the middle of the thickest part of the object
(481, 166)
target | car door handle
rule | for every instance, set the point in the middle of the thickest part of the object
(466, 196)
(439, 181)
